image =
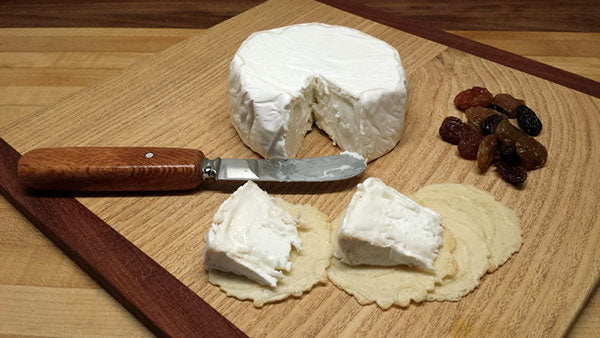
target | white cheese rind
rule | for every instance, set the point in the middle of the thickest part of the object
(351, 83)
(251, 236)
(383, 227)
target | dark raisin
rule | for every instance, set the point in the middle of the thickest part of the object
(507, 154)
(485, 154)
(498, 108)
(474, 97)
(488, 125)
(475, 115)
(450, 129)
(528, 121)
(532, 153)
(508, 103)
(511, 174)
(468, 145)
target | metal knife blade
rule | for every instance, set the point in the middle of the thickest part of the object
(319, 169)
(165, 169)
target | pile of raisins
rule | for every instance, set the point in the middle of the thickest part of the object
(490, 138)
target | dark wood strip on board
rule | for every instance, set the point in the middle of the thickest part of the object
(536, 15)
(515, 15)
(505, 58)
(154, 296)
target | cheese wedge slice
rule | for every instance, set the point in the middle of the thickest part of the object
(383, 227)
(251, 236)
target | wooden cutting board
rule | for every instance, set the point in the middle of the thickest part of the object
(179, 98)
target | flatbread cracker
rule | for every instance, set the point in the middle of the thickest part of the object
(479, 235)
(487, 234)
(471, 259)
(498, 224)
(308, 267)
(395, 285)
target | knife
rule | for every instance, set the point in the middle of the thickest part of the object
(162, 169)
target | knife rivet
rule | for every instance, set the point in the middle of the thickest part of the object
(149, 155)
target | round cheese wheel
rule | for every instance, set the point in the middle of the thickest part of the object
(350, 83)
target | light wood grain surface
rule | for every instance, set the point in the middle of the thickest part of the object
(47, 295)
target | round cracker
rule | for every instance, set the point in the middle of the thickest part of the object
(471, 259)
(308, 267)
(487, 233)
(498, 224)
(391, 285)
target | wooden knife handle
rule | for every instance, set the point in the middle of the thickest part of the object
(111, 169)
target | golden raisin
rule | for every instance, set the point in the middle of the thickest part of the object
(507, 103)
(485, 154)
(476, 115)
(532, 153)
(474, 97)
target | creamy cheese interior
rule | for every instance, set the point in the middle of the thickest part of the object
(352, 84)
(308, 267)
(251, 236)
(383, 227)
